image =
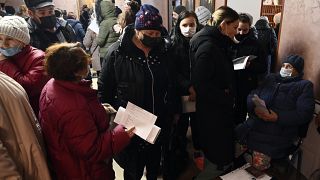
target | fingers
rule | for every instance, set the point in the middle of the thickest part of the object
(130, 132)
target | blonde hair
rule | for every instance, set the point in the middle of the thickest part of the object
(223, 13)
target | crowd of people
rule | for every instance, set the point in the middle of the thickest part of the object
(53, 124)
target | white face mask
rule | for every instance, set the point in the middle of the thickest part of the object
(188, 31)
(285, 72)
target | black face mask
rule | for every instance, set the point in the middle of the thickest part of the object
(241, 37)
(150, 41)
(48, 22)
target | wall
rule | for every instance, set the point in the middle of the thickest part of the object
(300, 35)
(219, 3)
(252, 7)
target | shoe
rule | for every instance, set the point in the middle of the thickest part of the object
(198, 159)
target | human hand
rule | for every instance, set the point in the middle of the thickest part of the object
(257, 101)
(192, 95)
(130, 132)
(265, 114)
(2, 57)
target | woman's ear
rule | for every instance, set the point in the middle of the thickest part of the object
(223, 27)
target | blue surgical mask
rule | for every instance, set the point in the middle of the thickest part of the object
(8, 52)
(285, 72)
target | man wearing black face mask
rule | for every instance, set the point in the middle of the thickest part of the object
(136, 70)
(247, 79)
(45, 29)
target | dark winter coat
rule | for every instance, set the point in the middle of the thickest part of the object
(293, 101)
(75, 127)
(78, 29)
(127, 75)
(182, 65)
(213, 81)
(266, 36)
(27, 68)
(42, 39)
(247, 79)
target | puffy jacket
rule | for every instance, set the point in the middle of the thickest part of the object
(107, 35)
(78, 29)
(27, 69)
(75, 128)
(293, 101)
(127, 75)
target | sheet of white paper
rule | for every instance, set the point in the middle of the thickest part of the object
(241, 65)
(122, 118)
(94, 26)
(188, 106)
(242, 174)
(153, 135)
(142, 119)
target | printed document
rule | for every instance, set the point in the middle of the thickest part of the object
(241, 62)
(142, 120)
(242, 174)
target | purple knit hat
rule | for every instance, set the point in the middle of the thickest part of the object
(148, 18)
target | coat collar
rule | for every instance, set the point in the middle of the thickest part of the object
(82, 87)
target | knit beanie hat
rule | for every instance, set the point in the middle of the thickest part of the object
(296, 61)
(148, 18)
(15, 27)
(179, 9)
(203, 14)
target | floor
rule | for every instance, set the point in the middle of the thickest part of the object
(191, 170)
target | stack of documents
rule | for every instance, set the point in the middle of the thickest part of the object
(142, 120)
(242, 174)
(241, 62)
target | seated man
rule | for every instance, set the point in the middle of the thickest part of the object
(278, 109)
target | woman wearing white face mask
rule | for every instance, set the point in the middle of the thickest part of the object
(187, 25)
(289, 108)
(21, 61)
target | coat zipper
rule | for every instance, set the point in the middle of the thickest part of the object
(152, 86)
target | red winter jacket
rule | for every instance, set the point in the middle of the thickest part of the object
(75, 128)
(27, 69)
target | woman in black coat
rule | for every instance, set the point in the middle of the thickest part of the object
(213, 83)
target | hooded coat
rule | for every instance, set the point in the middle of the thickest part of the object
(107, 35)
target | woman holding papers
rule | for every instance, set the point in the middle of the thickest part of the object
(247, 79)
(187, 25)
(280, 110)
(213, 82)
(136, 71)
(74, 123)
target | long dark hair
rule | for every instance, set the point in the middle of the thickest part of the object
(178, 37)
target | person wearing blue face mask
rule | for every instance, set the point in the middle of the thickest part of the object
(21, 61)
(280, 110)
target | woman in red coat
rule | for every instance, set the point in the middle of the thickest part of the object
(74, 124)
(21, 61)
